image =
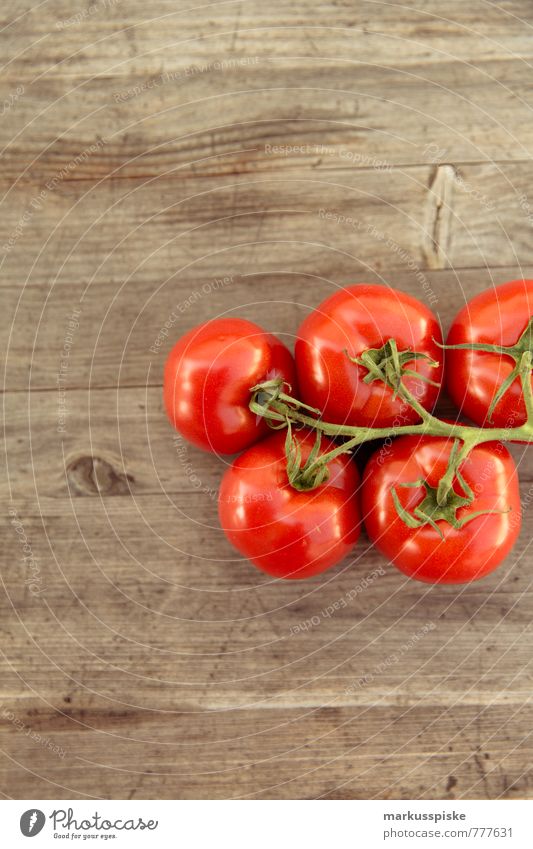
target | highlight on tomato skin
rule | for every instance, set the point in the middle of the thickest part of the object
(450, 555)
(349, 322)
(285, 532)
(207, 380)
(497, 316)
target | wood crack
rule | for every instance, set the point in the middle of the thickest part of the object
(437, 225)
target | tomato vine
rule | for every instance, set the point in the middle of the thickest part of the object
(271, 402)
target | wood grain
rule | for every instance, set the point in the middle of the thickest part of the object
(166, 163)
(132, 255)
(340, 74)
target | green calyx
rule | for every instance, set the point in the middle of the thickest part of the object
(270, 402)
(521, 352)
(313, 472)
(389, 365)
(429, 511)
(441, 502)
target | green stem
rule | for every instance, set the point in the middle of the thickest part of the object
(525, 377)
(457, 458)
(280, 411)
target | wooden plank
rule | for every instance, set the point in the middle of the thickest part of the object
(119, 228)
(142, 599)
(416, 752)
(247, 119)
(70, 39)
(137, 258)
(165, 87)
(180, 221)
(95, 232)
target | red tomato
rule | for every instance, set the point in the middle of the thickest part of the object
(285, 532)
(461, 554)
(498, 316)
(208, 377)
(354, 320)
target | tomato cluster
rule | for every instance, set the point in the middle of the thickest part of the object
(369, 362)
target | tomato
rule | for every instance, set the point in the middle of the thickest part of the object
(283, 531)
(208, 377)
(498, 316)
(461, 554)
(350, 322)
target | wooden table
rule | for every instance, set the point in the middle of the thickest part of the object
(163, 163)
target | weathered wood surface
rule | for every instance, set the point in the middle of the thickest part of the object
(140, 184)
